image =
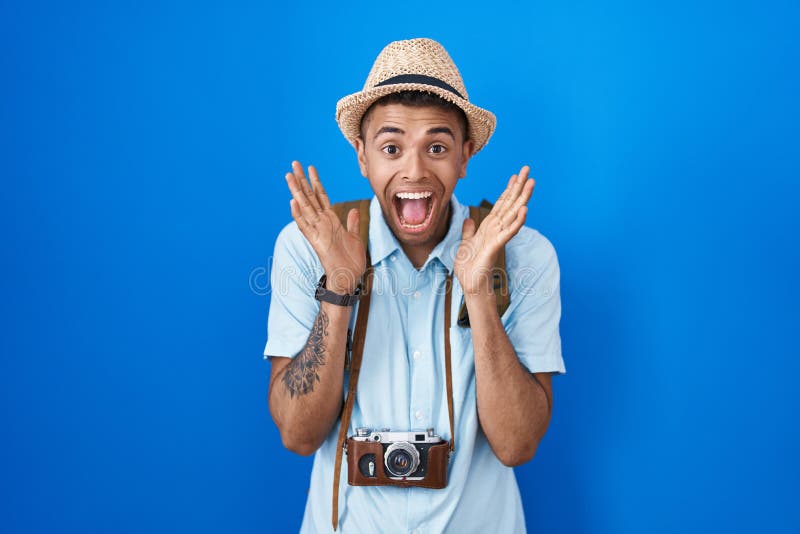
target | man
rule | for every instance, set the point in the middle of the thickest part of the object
(414, 132)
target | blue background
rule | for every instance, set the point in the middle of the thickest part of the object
(142, 153)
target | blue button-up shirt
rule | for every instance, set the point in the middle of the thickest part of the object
(402, 380)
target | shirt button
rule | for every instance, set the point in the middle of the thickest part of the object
(418, 415)
(417, 355)
(394, 257)
(415, 531)
(417, 294)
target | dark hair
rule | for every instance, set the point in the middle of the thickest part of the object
(418, 99)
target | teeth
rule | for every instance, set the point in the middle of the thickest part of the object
(424, 194)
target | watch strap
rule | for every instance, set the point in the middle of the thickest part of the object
(325, 295)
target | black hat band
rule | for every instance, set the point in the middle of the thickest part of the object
(421, 79)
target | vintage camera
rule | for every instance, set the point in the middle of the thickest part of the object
(414, 458)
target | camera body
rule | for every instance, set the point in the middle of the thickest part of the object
(387, 458)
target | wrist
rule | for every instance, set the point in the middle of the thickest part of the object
(480, 297)
(341, 287)
(477, 282)
(481, 288)
(340, 281)
(336, 294)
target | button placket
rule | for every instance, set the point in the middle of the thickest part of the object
(419, 317)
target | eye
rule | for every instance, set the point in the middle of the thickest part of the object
(390, 149)
(437, 149)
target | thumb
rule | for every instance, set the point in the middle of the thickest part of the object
(353, 219)
(468, 229)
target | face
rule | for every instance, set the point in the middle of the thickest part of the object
(413, 158)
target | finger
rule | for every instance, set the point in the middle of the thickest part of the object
(294, 208)
(306, 228)
(509, 197)
(498, 205)
(524, 172)
(522, 180)
(353, 220)
(518, 196)
(514, 226)
(304, 196)
(501, 207)
(297, 214)
(521, 200)
(467, 229)
(525, 194)
(319, 191)
(300, 174)
(514, 192)
(297, 191)
(306, 209)
(495, 213)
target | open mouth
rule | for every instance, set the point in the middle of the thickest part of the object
(414, 209)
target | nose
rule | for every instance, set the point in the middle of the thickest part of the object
(415, 168)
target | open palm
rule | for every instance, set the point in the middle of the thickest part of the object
(339, 249)
(479, 248)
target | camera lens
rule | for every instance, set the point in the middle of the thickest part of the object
(401, 459)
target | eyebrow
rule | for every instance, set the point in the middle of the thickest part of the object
(436, 130)
(442, 129)
(387, 129)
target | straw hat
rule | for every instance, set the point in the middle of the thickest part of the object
(414, 65)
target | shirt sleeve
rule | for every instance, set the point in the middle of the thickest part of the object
(534, 313)
(294, 274)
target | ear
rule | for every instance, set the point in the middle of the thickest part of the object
(466, 153)
(362, 157)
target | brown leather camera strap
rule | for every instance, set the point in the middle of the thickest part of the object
(448, 368)
(355, 367)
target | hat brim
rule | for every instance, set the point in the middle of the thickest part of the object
(351, 108)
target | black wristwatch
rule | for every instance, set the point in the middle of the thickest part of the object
(323, 295)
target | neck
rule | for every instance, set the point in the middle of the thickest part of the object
(418, 255)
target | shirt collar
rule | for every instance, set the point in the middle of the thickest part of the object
(382, 242)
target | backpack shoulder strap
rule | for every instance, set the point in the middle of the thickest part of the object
(341, 209)
(499, 274)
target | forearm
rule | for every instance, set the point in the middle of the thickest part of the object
(305, 394)
(513, 406)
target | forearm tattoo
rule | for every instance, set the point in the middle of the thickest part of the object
(301, 373)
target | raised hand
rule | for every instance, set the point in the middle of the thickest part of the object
(478, 251)
(339, 249)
